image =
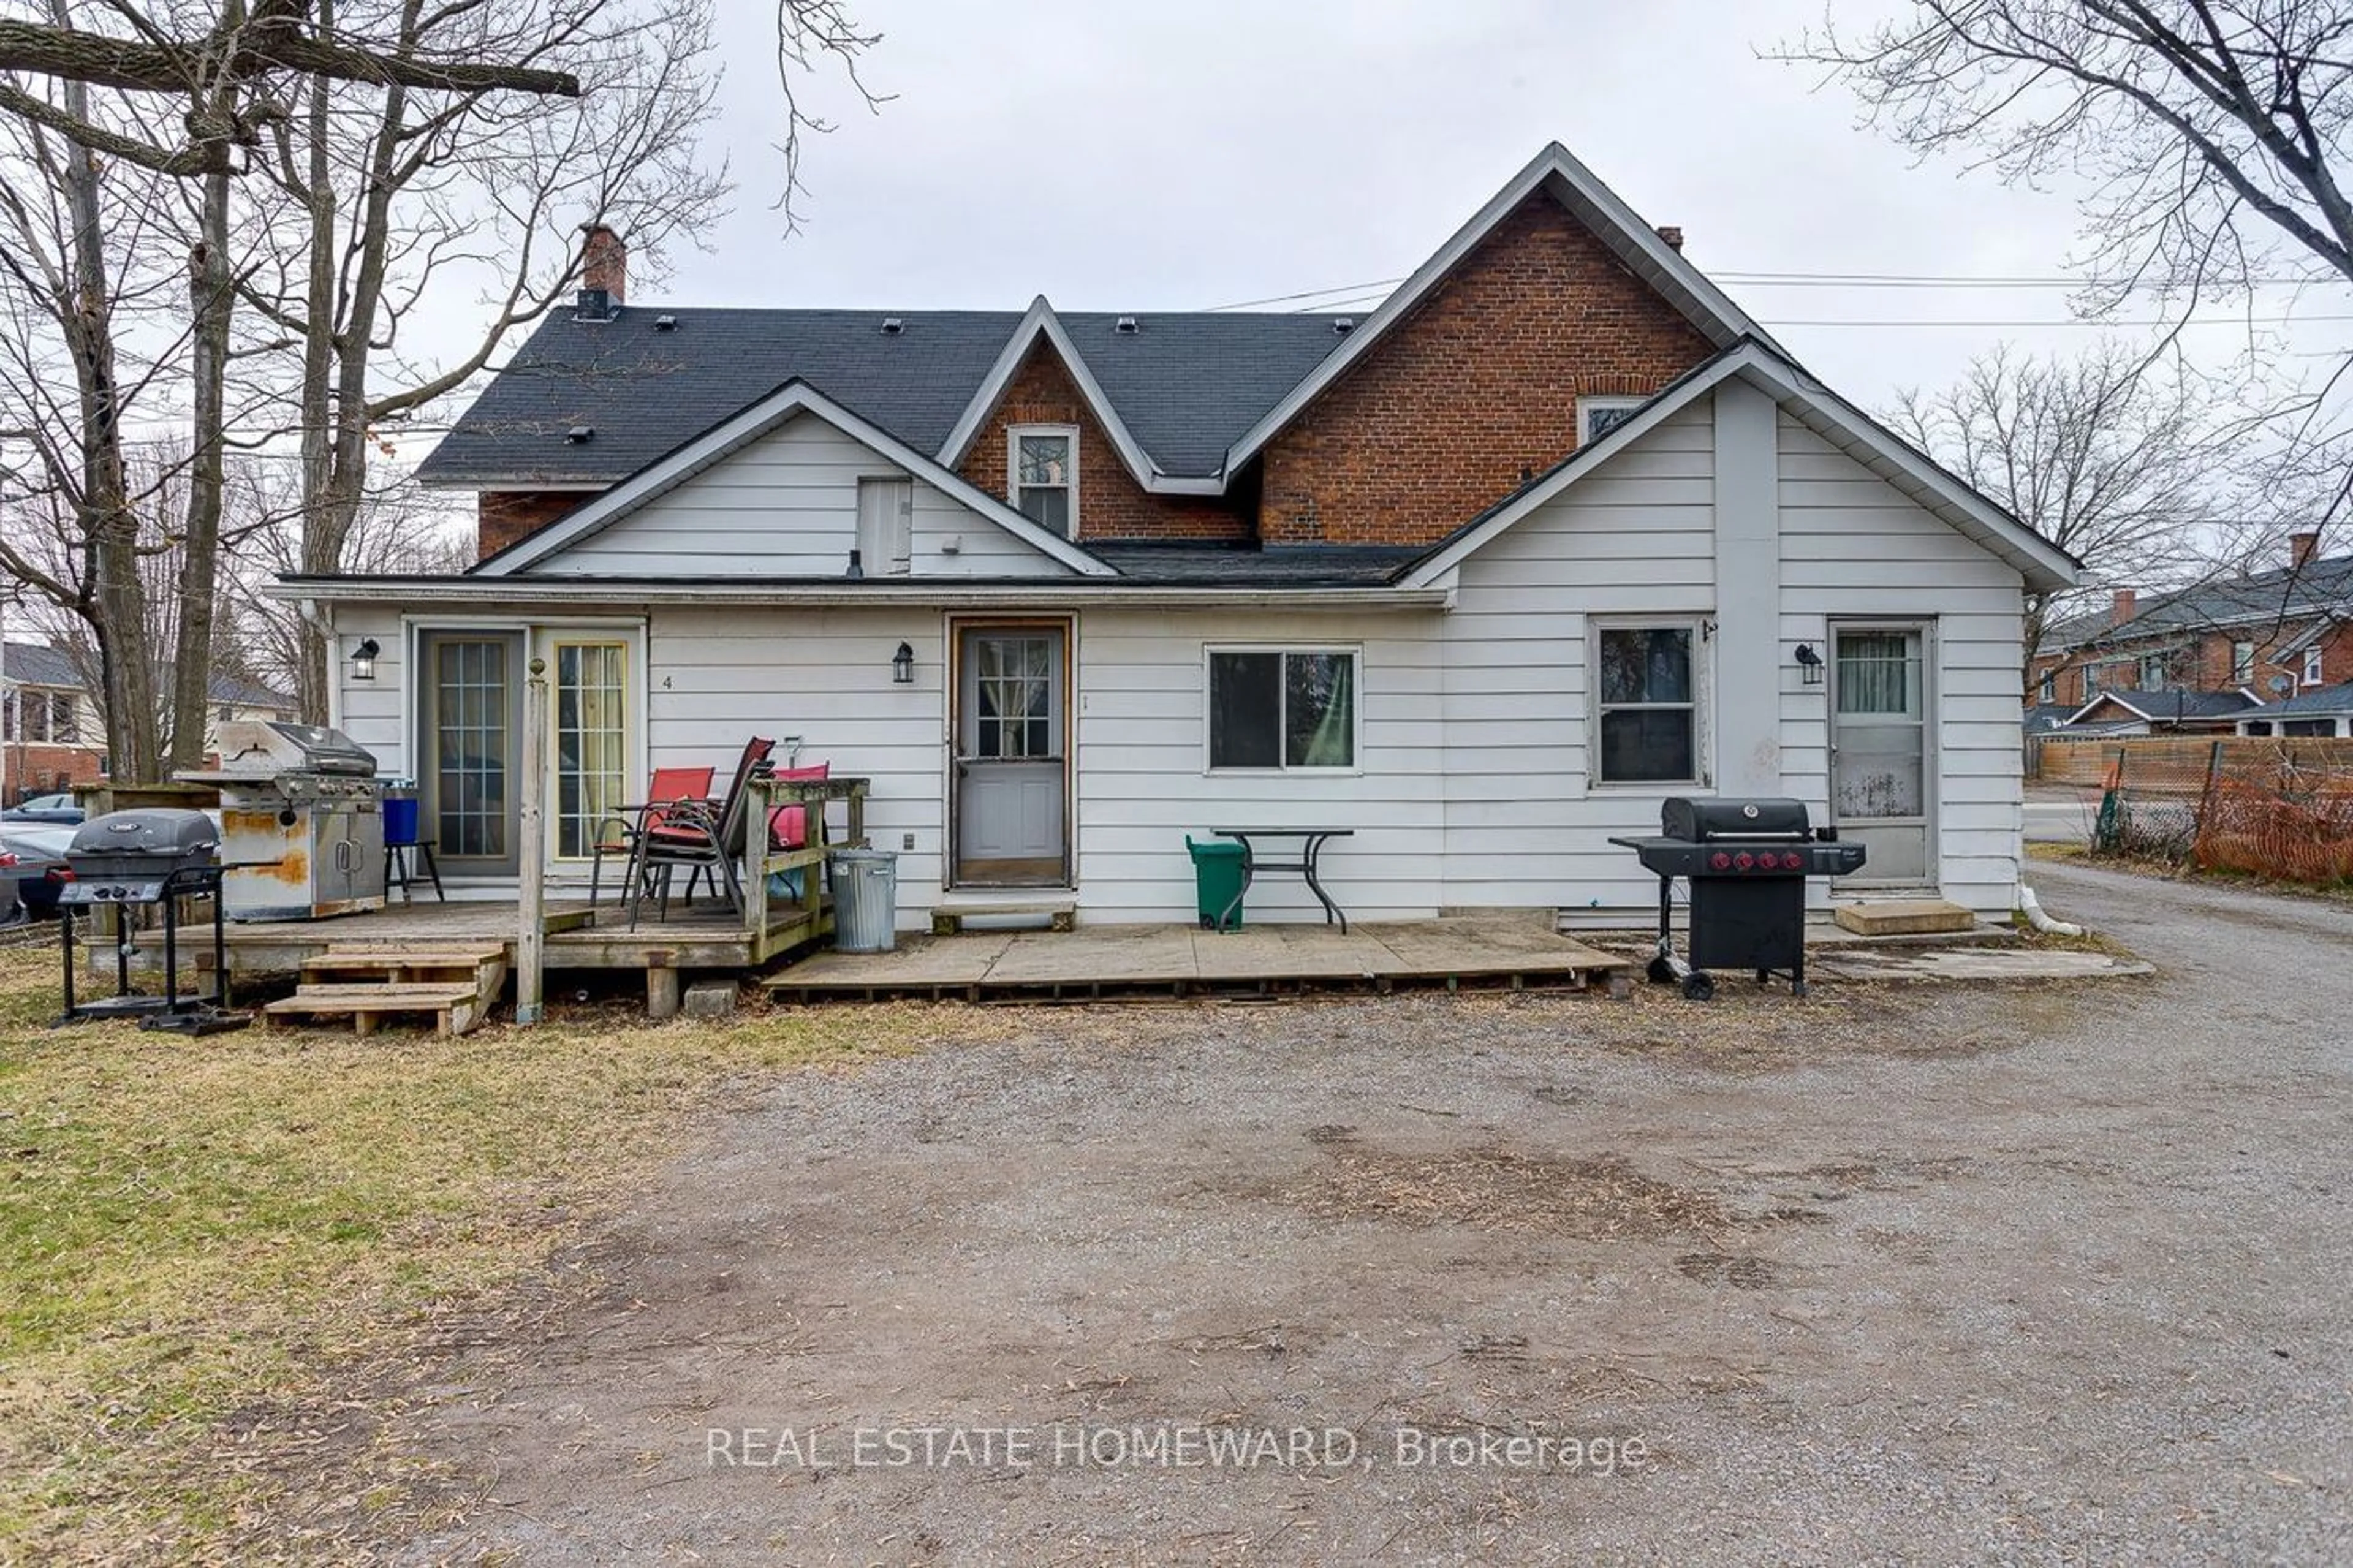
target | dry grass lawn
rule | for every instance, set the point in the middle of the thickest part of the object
(205, 1243)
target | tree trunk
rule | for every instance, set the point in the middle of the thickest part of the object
(114, 600)
(211, 305)
(323, 543)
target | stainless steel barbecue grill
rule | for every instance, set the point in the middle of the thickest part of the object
(1746, 862)
(302, 821)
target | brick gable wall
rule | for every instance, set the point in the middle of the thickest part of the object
(1434, 424)
(1112, 505)
(501, 517)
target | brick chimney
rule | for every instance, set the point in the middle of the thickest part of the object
(1673, 235)
(605, 262)
(2302, 548)
(2127, 599)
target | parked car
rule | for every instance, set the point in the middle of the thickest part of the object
(40, 858)
(57, 809)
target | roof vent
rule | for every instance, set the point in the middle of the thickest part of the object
(665, 323)
(1125, 324)
(893, 326)
(578, 433)
(1343, 325)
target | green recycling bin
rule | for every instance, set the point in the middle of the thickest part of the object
(1218, 882)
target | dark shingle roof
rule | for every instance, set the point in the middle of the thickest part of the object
(2170, 704)
(1187, 385)
(2326, 700)
(35, 665)
(1287, 566)
(2317, 587)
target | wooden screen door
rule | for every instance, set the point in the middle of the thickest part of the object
(1011, 805)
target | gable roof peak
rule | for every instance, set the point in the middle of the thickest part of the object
(1555, 171)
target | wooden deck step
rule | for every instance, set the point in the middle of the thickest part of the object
(457, 1009)
(1902, 917)
(452, 951)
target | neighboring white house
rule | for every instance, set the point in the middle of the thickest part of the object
(1739, 583)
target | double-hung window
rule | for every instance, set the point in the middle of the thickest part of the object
(2242, 661)
(1043, 464)
(1649, 708)
(2312, 665)
(1286, 708)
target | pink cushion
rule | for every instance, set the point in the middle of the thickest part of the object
(788, 824)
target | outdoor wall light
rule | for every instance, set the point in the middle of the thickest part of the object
(1810, 663)
(902, 666)
(363, 659)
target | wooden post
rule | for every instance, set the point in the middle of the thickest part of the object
(531, 939)
(755, 863)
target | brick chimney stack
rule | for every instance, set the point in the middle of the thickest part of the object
(1673, 235)
(2302, 548)
(2127, 599)
(605, 262)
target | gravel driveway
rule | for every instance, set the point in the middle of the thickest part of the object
(1936, 1273)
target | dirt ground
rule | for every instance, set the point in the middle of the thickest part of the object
(1937, 1273)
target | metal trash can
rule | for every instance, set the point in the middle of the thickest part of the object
(1218, 882)
(399, 800)
(865, 899)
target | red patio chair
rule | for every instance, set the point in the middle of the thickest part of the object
(703, 836)
(622, 831)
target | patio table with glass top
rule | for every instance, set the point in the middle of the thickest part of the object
(1311, 848)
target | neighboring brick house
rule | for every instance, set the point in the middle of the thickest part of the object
(2278, 634)
(52, 731)
(1480, 575)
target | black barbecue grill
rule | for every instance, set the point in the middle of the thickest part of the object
(1746, 862)
(131, 859)
(127, 856)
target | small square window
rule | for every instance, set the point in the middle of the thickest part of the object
(1596, 417)
(1282, 707)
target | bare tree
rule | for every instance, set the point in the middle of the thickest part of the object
(2103, 458)
(2213, 131)
(385, 198)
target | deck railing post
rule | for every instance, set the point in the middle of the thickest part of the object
(530, 940)
(755, 864)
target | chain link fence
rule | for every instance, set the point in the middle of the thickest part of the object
(2279, 808)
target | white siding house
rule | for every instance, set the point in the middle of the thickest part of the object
(1738, 516)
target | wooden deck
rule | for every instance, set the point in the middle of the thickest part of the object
(708, 936)
(1183, 960)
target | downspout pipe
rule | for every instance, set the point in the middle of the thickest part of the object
(2031, 908)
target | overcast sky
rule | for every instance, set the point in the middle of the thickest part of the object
(1182, 156)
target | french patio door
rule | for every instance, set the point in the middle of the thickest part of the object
(470, 748)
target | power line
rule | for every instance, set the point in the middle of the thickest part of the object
(1343, 294)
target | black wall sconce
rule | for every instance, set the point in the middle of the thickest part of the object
(363, 659)
(1810, 664)
(902, 666)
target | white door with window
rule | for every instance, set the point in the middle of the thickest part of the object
(1881, 742)
(1010, 791)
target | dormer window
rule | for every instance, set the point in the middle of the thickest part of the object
(1044, 466)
